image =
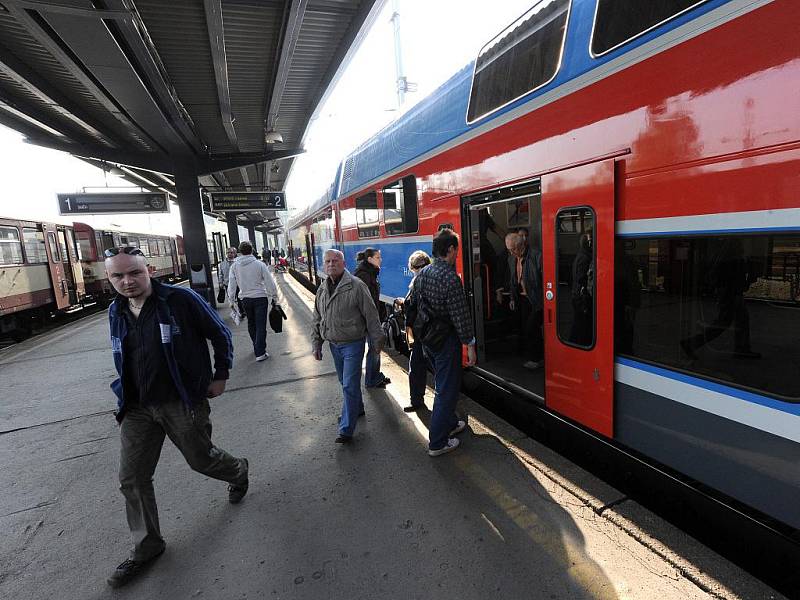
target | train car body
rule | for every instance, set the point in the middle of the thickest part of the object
(661, 139)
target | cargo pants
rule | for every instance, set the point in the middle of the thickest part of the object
(142, 434)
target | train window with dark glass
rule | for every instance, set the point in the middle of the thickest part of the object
(725, 308)
(400, 206)
(34, 245)
(617, 22)
(55, 253)
(575, 277)
(62, 243)
(522, 58)
(10, 246)
(367, 215)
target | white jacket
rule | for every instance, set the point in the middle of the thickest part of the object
(253, 279)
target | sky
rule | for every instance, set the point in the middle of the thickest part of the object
(438, 38)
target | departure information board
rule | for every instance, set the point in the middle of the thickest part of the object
(107, 203)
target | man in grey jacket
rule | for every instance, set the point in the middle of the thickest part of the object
(344, 314)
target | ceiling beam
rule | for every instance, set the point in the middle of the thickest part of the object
(216, 38)
(288, 44)
(221, 163)
(151, 162)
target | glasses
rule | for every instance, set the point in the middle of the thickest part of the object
(129, 250)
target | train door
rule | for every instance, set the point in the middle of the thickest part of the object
(578, 266)
(508, 334)
(313, 276)
(74, 256)
(54, 262)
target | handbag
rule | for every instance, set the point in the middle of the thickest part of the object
(276, 317)
(221, 294)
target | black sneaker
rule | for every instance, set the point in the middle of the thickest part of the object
(343, 439)
(386, 380)
(237, 491)
(413, 408)
(129, 570)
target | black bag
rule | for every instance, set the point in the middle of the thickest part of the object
(276, 317)
(221, 294)
(428, 328)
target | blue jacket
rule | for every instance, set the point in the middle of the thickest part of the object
(186, 322)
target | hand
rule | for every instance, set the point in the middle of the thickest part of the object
(318, 353)
(472, 357)
(511, 305)
(215, 388)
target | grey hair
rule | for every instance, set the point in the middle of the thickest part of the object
(333, 251)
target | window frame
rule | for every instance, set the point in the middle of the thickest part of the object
(400, 181)
(19, 243)
(564, 341)
(377, 210)
(530, 91)
(638, 35)
(38, 260)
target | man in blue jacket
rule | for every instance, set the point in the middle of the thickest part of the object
(159, 337)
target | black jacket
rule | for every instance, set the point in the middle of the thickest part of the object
(368, 273)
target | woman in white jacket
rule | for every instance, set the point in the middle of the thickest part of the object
(256, 289)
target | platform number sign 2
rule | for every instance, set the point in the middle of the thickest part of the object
(277, 200)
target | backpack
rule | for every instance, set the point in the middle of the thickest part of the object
(428, 327)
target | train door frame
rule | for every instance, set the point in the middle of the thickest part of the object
(75, 264)
(57, 276)
(313, 275)
(473, 206)
(579, 379)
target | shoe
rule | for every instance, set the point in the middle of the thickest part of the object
(461, 426)
(128, 570)
(451, 445)
(379, 385)
(263, 357)
(413, 408)
(533, 364)
(237, 491)
(386, 380)
(687, 350)
(343, 439)
(746, 354)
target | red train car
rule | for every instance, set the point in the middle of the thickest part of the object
(662, 141)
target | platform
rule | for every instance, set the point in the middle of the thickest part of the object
(502, 517)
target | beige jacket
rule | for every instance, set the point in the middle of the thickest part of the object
(348, 315)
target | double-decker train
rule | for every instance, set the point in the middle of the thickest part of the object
(662, 140)
(46, 268)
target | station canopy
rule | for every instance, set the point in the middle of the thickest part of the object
(222, 88)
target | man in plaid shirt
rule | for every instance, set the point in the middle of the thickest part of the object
(442, 293)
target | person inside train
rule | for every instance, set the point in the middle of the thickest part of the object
(417, 363)
(582, 293)
(731, 276)
(525, 284)
(368, 269)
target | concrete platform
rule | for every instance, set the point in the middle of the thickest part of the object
(502, 517)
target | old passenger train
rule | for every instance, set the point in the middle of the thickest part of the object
(666, 131)
(47, 268)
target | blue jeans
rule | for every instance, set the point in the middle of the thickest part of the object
(417, 374)
(347, 358)
(447, 376)
(373, 377)
(256, 310)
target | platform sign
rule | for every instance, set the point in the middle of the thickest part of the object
(110, 203)
(247, 201)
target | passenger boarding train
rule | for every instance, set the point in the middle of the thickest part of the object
(665, 137)
(47, 268)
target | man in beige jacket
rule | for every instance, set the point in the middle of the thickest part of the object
(344, 314)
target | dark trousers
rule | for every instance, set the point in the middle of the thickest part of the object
(256, 310)
(530, 323)
(142, 435)
(447, 376)
(417, 374)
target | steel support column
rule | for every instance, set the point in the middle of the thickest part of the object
(264, 241)
(194, 233)
(251, 232)
(233, 229)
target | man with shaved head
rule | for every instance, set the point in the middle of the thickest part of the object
(159, 338)
(344, 315)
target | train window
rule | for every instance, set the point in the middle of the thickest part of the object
(721, 307)
(575, 277)
(10, 246)
(522, 58)
(85, 249)
(62, 243)
(55, 253)
(34, 245)
(162, 247)
(153, 244)
(400, 206)
(367, 215)
(617, 22)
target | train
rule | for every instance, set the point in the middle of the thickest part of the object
(666, 133)
(47, 268)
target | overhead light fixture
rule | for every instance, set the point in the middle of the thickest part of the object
(275, 167)
(273, 137)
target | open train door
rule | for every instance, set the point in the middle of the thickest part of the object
(578, 269)
(54, 262)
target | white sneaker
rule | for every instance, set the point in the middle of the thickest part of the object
(461, 426)
(263, 357)
(533, 364)
(451, 445)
